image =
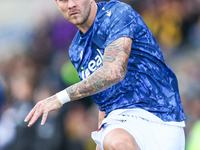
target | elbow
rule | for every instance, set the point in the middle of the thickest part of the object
(123, 73)
(120, 74)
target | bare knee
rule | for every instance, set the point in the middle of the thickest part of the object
(119, 139)
(122, 144)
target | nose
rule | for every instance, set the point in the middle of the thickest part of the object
(71, 3)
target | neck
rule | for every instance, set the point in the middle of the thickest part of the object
(85, 27)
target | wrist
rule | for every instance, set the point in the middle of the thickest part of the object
(63, 96)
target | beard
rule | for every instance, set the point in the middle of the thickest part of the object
(78, 17)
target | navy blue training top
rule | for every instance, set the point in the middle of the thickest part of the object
(149, 83)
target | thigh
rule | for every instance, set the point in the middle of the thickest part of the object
(121, 139)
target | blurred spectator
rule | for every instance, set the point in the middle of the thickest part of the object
(194, 33)
(165, 21)
(18, 72)
(79, 121)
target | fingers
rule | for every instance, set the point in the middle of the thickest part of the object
(31, 113)
(43, 107)
(38, 112)
(44, 118)
(35, 113)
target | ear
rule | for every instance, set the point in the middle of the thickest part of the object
(57, 4)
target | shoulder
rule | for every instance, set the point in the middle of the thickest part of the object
(119, 6)
(112, 10)
(112, 3)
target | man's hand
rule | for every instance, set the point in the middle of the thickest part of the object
(43, 107)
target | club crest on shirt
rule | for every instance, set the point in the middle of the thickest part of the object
(107, 11)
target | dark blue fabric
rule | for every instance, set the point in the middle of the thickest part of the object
(149, 83)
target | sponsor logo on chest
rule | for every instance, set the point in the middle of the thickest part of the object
(93, 65)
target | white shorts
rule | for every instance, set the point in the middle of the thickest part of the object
(151, 134)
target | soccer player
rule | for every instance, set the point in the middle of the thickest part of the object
(120, 63)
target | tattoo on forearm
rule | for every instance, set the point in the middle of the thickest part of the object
(72, 89)
(116, 56)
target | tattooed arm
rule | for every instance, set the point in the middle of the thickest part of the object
(113, 70)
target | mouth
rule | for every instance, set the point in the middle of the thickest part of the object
(74, 13)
